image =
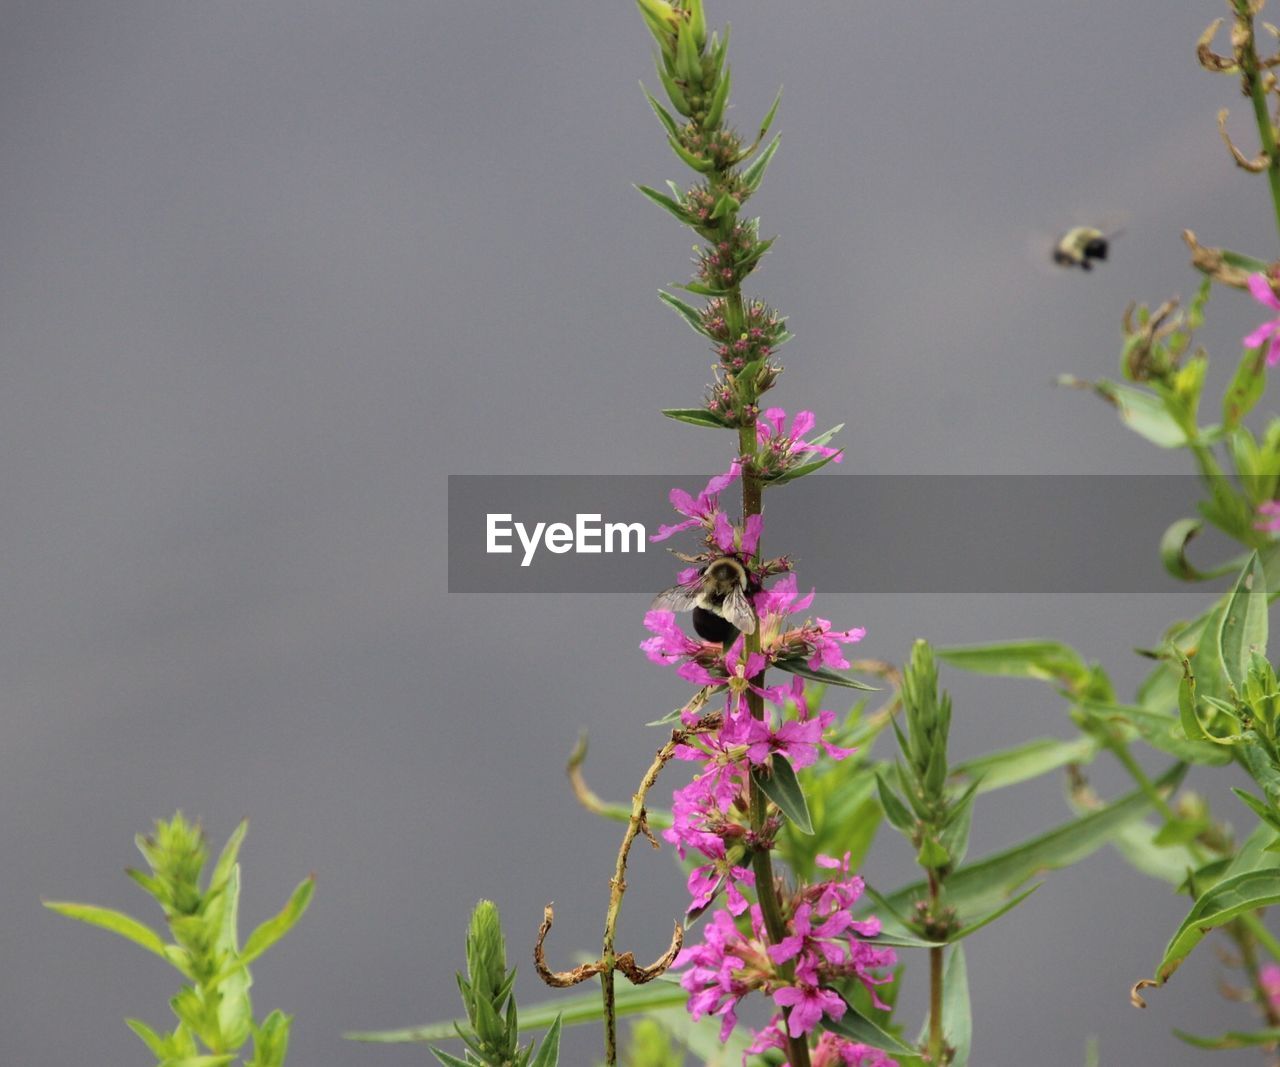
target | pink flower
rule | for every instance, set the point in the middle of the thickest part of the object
(1269, 332)
(808, 1005)
(670, 644)
(734, 540)
(781, 449)
(1269, 977)
(702, 509)
(723, 969)
(1268, 516)
(815, 640)
(706, 881)
(830, 1051)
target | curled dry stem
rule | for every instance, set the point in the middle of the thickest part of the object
(626, 962)
(1212, 262)
(1209, 59)
(1256, 165)
(637, 825)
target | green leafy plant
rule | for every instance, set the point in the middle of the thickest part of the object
(493, 1027)
(213, 1008)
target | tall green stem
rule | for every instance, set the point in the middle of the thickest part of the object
(1251, 73)
(761, 859)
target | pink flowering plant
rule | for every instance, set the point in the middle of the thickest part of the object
(785, 955)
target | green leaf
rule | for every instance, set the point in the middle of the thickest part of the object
(974, 925)
(747, 262)
(1229, 898)
(702, 1038)
(271, 931)
(688, 312)
(580, 1008)
(754, 174)
(1160, 731)
(857, 1027)
(798, 665)
(1246, 388)
(233, 1011)
(1049, 661)
(1173, 553)
(1168, 863)
(1243, 629)
(783, 788)
(996, 770)
(932, 855)
(799, 472)
(977, 887)
(1265, 813)
(271, 1041)
(157, 1044)
(227, 858)
(898, 814)
(725, 207)
(768, 119)
(674, 93)
(1232, 1038)
(1261, 767)
(549, 1052)
(664, 116)
(666, 203)
(688, 61)
(955, 830)
(115, 921)
(696, 417)
(699, 163)
(200, 1061)
(1249, 263)
(715, 110)
(1187, 714)
(1144, 413)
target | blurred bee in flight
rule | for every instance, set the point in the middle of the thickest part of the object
(1081, 245)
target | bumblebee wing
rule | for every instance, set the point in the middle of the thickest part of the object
(677, 598)
(737, 609)
(1043, 252)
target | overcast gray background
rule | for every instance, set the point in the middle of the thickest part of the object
(271, 271)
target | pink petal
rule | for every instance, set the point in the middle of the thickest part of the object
(1256, 339)
(1262, 291)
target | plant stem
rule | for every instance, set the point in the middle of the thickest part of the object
(1251, 74)
(636, 824)
(761, 859)
(1261, 934)
(936, 1047)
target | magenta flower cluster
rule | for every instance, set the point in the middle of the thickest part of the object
(825, 946)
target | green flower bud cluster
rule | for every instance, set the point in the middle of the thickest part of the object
(691, 67)
(914, 791)
(492, 1035)
(215, 1015)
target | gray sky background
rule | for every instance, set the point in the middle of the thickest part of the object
(272, 271)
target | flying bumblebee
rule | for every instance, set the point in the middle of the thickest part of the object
(720, 599)
(1081, 245)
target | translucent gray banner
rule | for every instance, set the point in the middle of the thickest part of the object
(844, 533)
